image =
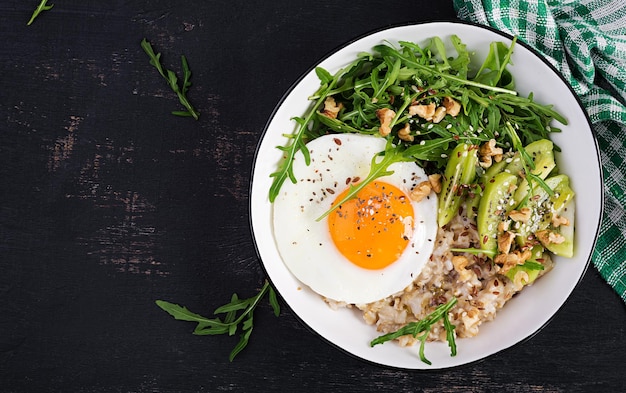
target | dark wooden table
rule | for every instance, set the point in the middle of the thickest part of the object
(108, 202)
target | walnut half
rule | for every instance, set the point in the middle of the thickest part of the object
(426, 112)
(440, 113)
(460, 263)
(421, 191)
(505, 240)
(405, 133)
(453, 108)
(489, 152)
(522, 215)
(331, 109)
(435, 182)
(557, 221)
(547, 237)
(509, 261)
(385, 116)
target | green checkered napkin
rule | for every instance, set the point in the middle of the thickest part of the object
(586, 41)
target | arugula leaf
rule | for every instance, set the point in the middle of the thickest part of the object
(424, 326)
(40, 8)
(298, 138)
(390, 78)
(230, 323)
(338, 125)
(441, 48)
(172, 80)
(324, 76)
(498, 58)
(462, 61)
(431, 149)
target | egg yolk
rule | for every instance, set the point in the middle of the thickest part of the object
(373, 229)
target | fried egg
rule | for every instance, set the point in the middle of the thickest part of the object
(370, 247)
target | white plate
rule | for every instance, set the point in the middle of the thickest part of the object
(524, 315)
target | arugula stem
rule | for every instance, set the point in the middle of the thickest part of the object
(252, 306)
(40, 8)
(405, 103)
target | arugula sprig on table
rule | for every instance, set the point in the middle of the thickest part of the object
(43, 6)
(172, 79)
(231, 321)
(423, 327)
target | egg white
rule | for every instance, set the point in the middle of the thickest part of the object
(305, 244)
